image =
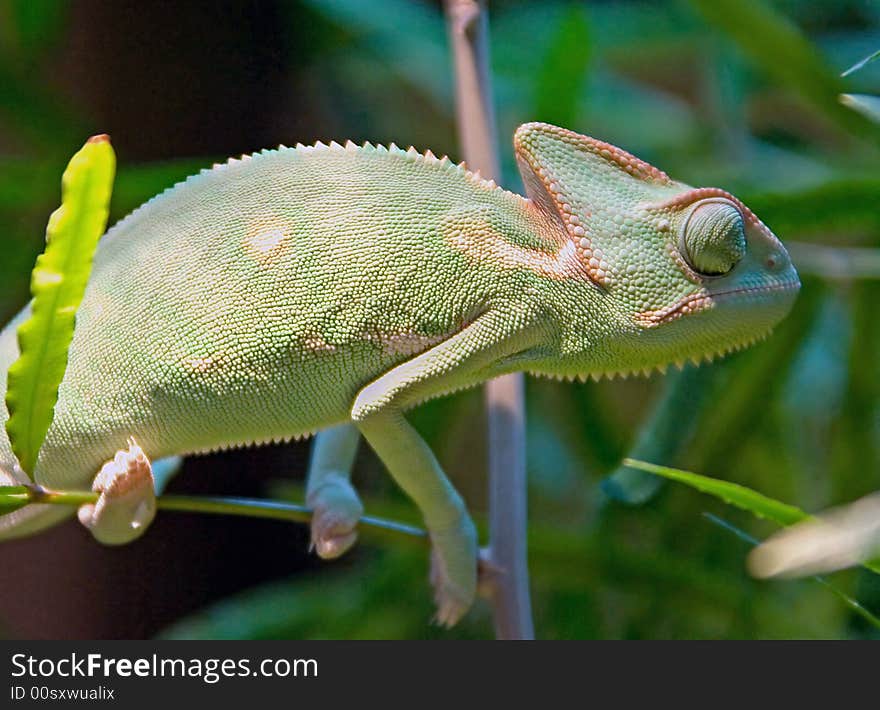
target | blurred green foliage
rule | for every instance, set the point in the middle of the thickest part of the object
(742, 95)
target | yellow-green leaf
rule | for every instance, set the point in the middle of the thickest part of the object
(13, 498)
(58, 282)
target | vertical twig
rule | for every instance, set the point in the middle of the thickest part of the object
(507, 552)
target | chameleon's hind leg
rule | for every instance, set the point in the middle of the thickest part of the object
(335, 505)
(127, 502)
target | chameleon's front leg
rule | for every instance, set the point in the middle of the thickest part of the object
(466, 358)
(335, 505)
(127, 502)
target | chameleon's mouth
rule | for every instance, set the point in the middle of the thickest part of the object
(792, 285)
(702, 300)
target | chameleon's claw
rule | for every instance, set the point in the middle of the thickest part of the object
(127, 504)
(332, 535)
(452, 600)
(453, 572)
(336, 510)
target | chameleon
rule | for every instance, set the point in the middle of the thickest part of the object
(333, 287)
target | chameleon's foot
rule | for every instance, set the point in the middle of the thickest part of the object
(127, 503)
(454, 571)
(336, 510)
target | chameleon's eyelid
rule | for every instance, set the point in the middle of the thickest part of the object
(687, 249)
(694, 206)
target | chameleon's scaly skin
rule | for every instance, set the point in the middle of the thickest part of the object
(305, 287)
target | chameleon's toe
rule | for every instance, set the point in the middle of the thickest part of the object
(332, 534)
(127, 502)
(336, 510)
(454, 572)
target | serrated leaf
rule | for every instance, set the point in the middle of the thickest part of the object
(12, 498)
(732, 493)
(58, 282)
(735, 494)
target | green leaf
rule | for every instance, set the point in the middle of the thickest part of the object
(32, 27)
(735, 494)
(780, 49)
(666, 432)
(58, 282)
(13, 498)
(732, 493)
(559, 79)
(418, 55)
(842, 205)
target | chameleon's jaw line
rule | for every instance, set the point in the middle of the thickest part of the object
(703, 300)
(696, 360)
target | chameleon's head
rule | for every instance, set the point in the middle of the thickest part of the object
(676, 272)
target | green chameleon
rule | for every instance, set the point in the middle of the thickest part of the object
(336, 286)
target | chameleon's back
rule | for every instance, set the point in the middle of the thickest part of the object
(251, 302)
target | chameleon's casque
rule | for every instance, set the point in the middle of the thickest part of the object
(307, 287)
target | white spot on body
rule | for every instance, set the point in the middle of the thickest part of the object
(484, 244)
(266, 238)
(404, 342)
(200, 364)
(316, 343)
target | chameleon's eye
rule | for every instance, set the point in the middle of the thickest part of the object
(713, 238)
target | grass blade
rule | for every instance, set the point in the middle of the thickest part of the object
(58, 282)
(732, 493)
(862, 63)
(735, 494)
(853, 604)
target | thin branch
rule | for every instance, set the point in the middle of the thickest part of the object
(507, 552)
(375, 528)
